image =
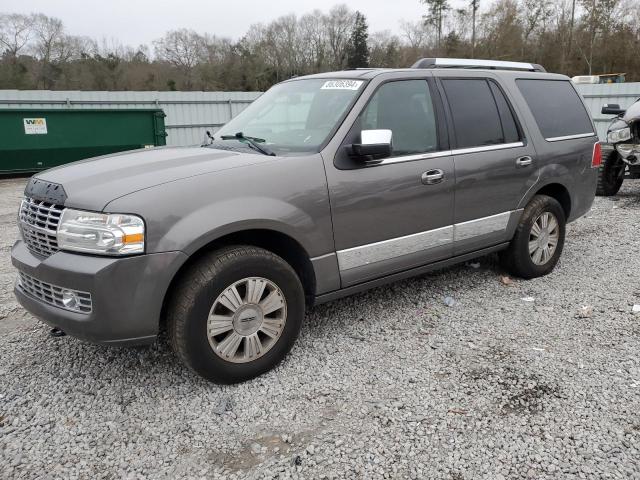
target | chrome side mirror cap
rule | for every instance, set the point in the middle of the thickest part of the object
(374, 144)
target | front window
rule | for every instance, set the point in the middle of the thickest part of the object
(404, 107)
(296, 116)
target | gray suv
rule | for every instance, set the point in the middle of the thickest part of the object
(326, 185)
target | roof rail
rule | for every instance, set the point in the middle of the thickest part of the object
(472, 63)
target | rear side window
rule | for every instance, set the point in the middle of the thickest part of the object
(557, 108)
(481, 114)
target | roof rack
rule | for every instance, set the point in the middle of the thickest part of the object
(472, 63)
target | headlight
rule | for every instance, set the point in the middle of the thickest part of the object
(104, 234)
(620, 135)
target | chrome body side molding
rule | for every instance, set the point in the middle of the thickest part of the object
(570, 137)
(486, 148)
(397, 247)
(394, 247)
(481, 226)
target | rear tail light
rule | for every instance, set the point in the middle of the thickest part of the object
(596, 158)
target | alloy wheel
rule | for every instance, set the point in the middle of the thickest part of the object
(246, 320)
(543, 238)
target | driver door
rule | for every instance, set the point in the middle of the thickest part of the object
(395, 214)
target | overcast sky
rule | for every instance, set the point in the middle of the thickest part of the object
(133, 22)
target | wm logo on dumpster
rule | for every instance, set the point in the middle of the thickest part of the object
(35, 126)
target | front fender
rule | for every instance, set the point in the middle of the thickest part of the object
(210, 222)
(288, 196)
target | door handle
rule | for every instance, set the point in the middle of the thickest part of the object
(432, 177)
(524, 161)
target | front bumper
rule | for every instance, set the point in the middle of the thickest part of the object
(126, 293)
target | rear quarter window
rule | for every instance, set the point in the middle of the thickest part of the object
(475, 114)
(556, 107)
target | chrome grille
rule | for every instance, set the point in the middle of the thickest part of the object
(38, 223)
(53, 295)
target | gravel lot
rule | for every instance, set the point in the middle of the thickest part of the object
(392, 383)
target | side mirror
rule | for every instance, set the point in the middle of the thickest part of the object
(374, 144)
(612, 109)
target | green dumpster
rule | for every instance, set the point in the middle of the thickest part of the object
(32, 140)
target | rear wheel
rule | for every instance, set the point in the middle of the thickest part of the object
(537, 244)
(610, 174)
(236, 314)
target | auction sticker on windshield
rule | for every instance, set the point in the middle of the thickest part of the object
(342, 85)
(35, 126)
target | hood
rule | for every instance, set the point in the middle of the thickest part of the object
(633, 113)
(92, 184)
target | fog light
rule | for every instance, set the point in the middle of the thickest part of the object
(70, 299)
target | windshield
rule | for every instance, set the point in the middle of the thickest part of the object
(295, 116)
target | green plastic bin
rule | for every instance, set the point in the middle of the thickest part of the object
(33, 140)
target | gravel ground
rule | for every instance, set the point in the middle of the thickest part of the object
(392, 383)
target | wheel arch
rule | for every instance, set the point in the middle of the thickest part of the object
(555, 190)
(283, 245)
(560, 193)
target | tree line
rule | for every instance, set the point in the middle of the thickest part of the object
(573, 37)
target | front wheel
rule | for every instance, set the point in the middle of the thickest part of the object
(537, 244)
(235, 314)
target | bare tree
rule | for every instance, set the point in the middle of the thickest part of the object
(183, 49)
(415, 34)
(15, 33)
(314, 40)
(50, 45)
(502, 31)
(48, 33)
(338, 25)
(385, 50)
(535, 15)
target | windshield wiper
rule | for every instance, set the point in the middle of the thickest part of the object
(252, 141)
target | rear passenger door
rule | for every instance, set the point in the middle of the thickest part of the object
(495, 165)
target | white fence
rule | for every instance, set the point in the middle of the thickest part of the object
(189, 114)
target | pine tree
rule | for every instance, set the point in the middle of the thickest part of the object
(437, 11)
(358, 55)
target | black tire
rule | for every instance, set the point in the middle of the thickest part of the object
(516, 259)
(194, 297)
(610, 173)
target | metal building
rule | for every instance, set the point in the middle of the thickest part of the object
(189, 114)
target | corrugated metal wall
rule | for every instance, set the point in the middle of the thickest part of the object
(595, 96)
(189, 114)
